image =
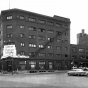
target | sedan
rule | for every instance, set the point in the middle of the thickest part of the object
(77, 72)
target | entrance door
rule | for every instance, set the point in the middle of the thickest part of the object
(59, 66)
(9, 66)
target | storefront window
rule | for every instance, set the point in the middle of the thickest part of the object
(32, 64)
(22, 65)
(42, 65)
(50, 65)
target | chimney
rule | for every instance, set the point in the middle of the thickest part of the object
(83, 32)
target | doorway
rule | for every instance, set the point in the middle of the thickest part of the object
(9, 66)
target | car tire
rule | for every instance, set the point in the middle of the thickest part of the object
(86, 74)
(78, 74)
(69, 74)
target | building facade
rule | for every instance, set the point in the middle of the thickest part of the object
(46, 40)
(82, 38)
(79, 55)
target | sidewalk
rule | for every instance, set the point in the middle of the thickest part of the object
(25, 72)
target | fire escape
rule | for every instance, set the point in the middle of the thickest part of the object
(47, 42)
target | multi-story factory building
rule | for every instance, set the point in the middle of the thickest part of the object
(46, 40)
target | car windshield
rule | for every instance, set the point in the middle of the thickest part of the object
(85, 69)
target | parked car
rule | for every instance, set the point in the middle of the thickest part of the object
(77, 72)
(86, 70)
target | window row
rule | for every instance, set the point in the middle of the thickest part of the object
(34, 37)
(43, 54)
(39, 29)
(80, 50)
(42, 46)
(31, 19)
(32, 64)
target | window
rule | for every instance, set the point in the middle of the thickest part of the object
(66, 34)
(41, 54)
(9, 17)
(22, 52)
(66, 41)
(32, 45)
(50, 54)
(81, 50)
(58, 25)
(58, 40)
(41, 38)
(22, 35)
(66, 26)
(9, 26)
(22, 26)
(32, 64)
(49, 47)
(31, 19)
(50, 31)
(73, 49)
(66, 48)
(82, 57)
(21, 17)
(22, 65)
(50, 65)
(66, 55)
(32, 53)
(32, 36)
(41, 21)
(49, 39)
(41, 46)
(58, 33)
(32, 28)
(74, 56)
(49, 23)
(42, 65)
(9, 35)
(22, 62)
(58, 47)
(41, 30)
(58, 55)
(22, 44)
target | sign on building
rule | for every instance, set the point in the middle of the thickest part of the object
(9, 50)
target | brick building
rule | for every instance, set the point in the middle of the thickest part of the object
(79, 55)
(46, 40)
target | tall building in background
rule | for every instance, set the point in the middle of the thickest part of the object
(79, 55)
(82, 38)
(46, 40)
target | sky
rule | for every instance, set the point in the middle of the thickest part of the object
(75, 10)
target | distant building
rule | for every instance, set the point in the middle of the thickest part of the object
(46, 40)
(82, 38)
(79, 55)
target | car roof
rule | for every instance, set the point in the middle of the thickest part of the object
(77, 69)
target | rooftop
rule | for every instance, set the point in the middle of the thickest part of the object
(55, 17)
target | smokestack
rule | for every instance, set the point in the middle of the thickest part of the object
(78, 36)
(83, 32)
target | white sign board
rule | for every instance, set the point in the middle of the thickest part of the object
(9, 50)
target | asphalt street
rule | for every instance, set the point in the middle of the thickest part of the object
(56, 80)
